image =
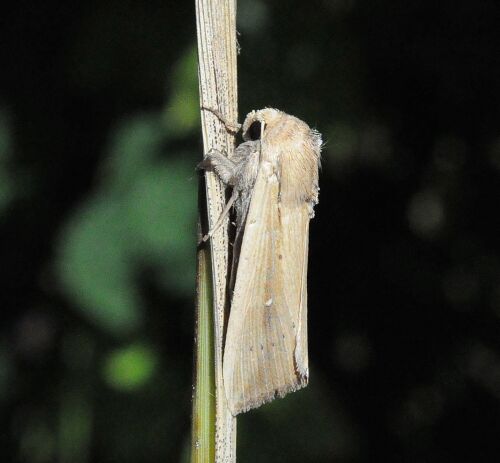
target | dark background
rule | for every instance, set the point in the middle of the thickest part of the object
(99, 136)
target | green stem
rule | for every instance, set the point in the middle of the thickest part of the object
(203, 432)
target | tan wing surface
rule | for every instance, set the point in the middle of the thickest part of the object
(295, 227)
(259, 362)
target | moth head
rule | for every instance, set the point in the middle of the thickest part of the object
(256, 122)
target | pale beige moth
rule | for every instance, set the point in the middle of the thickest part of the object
(274, 177)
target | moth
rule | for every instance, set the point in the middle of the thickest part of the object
(274, 180)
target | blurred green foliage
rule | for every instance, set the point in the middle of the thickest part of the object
(141, 212)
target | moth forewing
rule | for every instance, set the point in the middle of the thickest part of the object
(299, 193)
(295, 226)
(260, 343)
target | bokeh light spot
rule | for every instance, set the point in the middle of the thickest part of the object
(426, 213)
(253, 16)
(130, 368)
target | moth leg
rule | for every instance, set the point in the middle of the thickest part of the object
(224, 167)
(220, 220)
(232, 127)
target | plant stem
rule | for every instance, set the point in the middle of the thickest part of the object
(217, 45)
(203, 432)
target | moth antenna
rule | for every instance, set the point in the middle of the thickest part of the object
(233, 127)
